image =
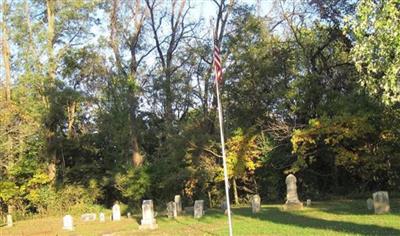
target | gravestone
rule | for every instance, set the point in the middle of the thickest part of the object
(198, 208)
(178, 202)
(88, 217)
(129, 215)
(148, 221)
(10, 209)
(370, 204)
(68, 223)
(9, 220)
(308, 202)
(292, 199)
(116, 212)
(255, 203)
(381, 202)
(172, 210)
(102, 217)
(223, 205)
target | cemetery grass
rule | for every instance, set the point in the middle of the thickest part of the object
(341, 217)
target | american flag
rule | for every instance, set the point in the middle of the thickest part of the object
(217, 63)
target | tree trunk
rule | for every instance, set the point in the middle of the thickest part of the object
(235, 193)
(50, 39)
(335, 175)
(114, 35)
(51, 83)
(255, 185)
(71, 118)
(209, 199)
(6, 53)
(169, 113)
(137, 158)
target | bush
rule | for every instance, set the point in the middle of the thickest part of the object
(133, 184)
(73, 197)
(8, 191)
(40, 194)
(41, 198)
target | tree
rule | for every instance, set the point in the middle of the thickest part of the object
(376, 31)
(6, 51)
(243, 158)
(167, 46)
(346, 148)
(127, 36)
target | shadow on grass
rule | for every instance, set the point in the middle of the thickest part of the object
(286, 218)
(353, 207)
(344, 207)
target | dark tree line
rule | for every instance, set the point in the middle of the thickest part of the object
(114, 100)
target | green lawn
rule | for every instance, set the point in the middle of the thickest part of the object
(343, 217)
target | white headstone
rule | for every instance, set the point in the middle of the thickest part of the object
(198, 208)
(68, 223)
(381, 202)
(9, 220)
(172, 210)
(116, 212)
(178, 202)
(102, 217)
(292, 199)
(308, 202)
(148, 221)
(291, 187)
(370, 204)
(129, 215)
(88, 217)
(256, 203)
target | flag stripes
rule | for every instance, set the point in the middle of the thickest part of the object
(217, 62)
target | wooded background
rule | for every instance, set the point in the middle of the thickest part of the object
(107, 101)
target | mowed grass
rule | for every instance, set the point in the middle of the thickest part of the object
(342, 217)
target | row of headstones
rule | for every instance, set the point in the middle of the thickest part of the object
(148, 217)
(255, 202)
(68, 222)
(292, 200)
(379, 201)
(174, 208)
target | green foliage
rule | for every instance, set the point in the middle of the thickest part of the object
(291, 97)
(254, 81)
(243, 155)
(376, 28)
(42, 198)
(133, 184)
(74, 195)
(347, 148)
(8, 191)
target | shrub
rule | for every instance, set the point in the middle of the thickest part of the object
(133, 184)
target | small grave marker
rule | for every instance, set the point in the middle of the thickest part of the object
(68, 223)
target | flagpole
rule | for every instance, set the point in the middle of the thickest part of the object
(221, 128)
